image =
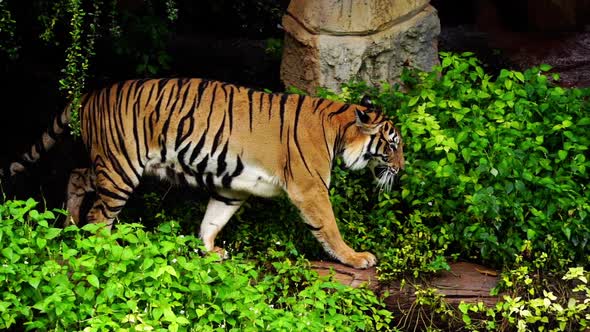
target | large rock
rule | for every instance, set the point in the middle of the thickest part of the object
(329, 42)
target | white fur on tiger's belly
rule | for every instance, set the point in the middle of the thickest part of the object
(252, 180)
(257, 182)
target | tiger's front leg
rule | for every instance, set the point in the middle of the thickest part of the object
(316, 210)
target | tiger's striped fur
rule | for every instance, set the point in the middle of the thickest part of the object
(231, 140)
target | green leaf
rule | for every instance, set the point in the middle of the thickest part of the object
(464, 307)
(545, 67)
(93, 280)
(466, 153)
(41, 242)
(455, 104)
(451, 157)
(446, 62)
(494, 172)
(413, 101)
(52, 233)
(531, 234)
(34, 282)
(508, 84)
(568, 232)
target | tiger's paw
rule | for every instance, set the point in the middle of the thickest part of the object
(361, 260)
(223, 254)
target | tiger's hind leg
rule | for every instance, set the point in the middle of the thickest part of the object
(80, 183)
(219, 210)
(113, 189)
(316, 210)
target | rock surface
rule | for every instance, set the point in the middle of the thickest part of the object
(330, 42)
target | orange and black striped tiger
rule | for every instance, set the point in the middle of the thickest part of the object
(231, 140)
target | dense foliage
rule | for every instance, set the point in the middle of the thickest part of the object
(497, 165)
(131, 280)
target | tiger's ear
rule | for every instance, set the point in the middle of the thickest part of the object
(366, 101)
(363, 122)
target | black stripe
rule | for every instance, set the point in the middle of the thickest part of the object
(162, 83)
(163, 148)
(297, 112)
(202, 165)
(145, 136)
(217, 138)
(197, 149)
(111, 194)
(181, 155)
(282, 103)
(173, 108)
(226, 181)
(223, 199)
(326, 144)
(324, 182)
(230, 108)
(119, 92)
(209, 182)
(112, 208)
(287, 171)
(250, 92)
(342, 109)
(314, 229)
(121, 135)
(318, 102)
(239, 167)
(201, 142)
(135, 118)
(271, 97)
(201, 89)
(221, 164)
(120, 171)
(180, 138)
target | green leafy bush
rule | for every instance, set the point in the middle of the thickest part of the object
(492, 162)
(90, 279)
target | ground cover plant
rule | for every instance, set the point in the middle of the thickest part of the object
(72, 279)
(496, 173)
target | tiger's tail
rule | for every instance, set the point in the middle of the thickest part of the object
(58, 127)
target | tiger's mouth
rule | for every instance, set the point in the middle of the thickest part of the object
(386, 176)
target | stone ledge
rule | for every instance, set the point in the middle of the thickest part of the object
(351, 17)
(467, 282)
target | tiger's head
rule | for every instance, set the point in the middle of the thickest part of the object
(379, 146)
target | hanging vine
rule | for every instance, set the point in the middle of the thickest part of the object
(80, 21)
(78, 56)
(8, 43)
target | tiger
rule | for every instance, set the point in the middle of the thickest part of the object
(231, 140)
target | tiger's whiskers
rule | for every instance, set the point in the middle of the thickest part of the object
(387, 178)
